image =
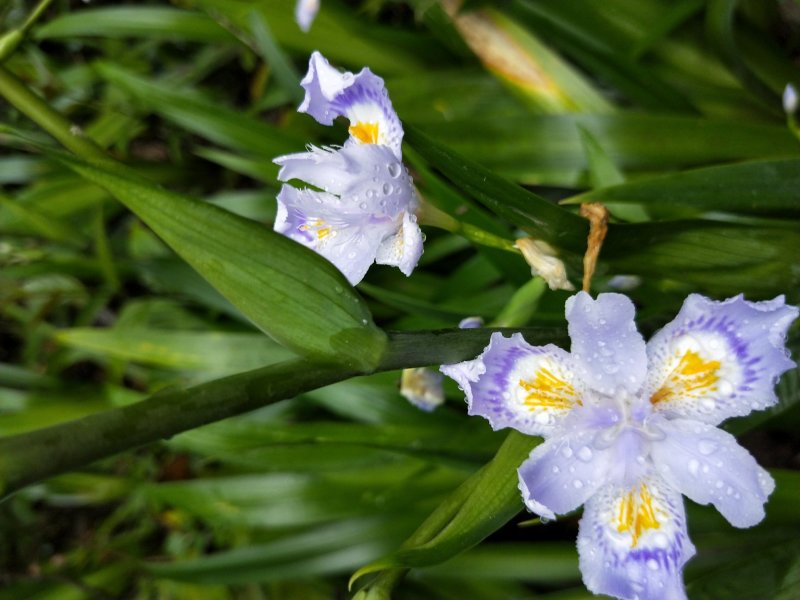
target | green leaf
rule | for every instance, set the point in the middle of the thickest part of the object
(480, 506)
(203, 116)
(758, 187)
(522, 208)
(385, 49)
(330, 548)
(214, 353)
(128, 21)
(285, 289)
(547, 150)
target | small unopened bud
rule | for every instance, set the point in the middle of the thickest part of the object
(470, 323)
(541, 257)
(422, 387)
(790, 99)
(304, 13)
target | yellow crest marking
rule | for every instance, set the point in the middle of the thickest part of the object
(692, 374)
(547, 391)
(636, 514)
(366, 133)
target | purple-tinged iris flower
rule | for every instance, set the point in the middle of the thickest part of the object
(362, 206)
(629, 427)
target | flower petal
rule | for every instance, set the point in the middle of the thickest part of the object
(361, 98)
(304, 13)
(316, 220)
(562, 473)
(403, 249)
(710, 467)
(719, 359)
(633, 543)
(514, 384)
(369, 179)
(607, 350)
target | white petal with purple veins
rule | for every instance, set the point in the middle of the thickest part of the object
(318, 221)
(404, 248)
(633, 542)
(529, 388)
(562, 473)
(717, 360)
(369, 179)
(608, 351)
(710, 467)
(361, 98)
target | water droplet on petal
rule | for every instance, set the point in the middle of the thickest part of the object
(693, 466)
(706, 447)
(555, 469)
(566, 452)
(585, 454)
(394, 170)
(578, 484)
(387, 188)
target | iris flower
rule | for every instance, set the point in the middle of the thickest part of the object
(629, 427)
(361, 208)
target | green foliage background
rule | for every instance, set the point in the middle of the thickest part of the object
(140, 271)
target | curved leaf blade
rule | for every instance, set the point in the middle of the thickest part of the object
(289, 292)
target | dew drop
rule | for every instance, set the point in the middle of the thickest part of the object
(706, 447)
(363, 206)
(370, 193)
(578, 484)
(566, 452)
(387, 188)
(661, 540)
(694, 467)
(724, 388)
(555, 469)
(394, 170)
(652, 564)
(707, 404)
(585, 454)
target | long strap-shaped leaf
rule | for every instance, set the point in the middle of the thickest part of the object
(480, 506)
(32, 456)
(285, 289)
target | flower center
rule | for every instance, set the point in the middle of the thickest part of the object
(366, 133)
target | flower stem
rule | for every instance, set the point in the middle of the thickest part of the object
(428, 214)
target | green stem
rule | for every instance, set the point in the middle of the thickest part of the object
(31, 105)
(36, 455)
(433, 217)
